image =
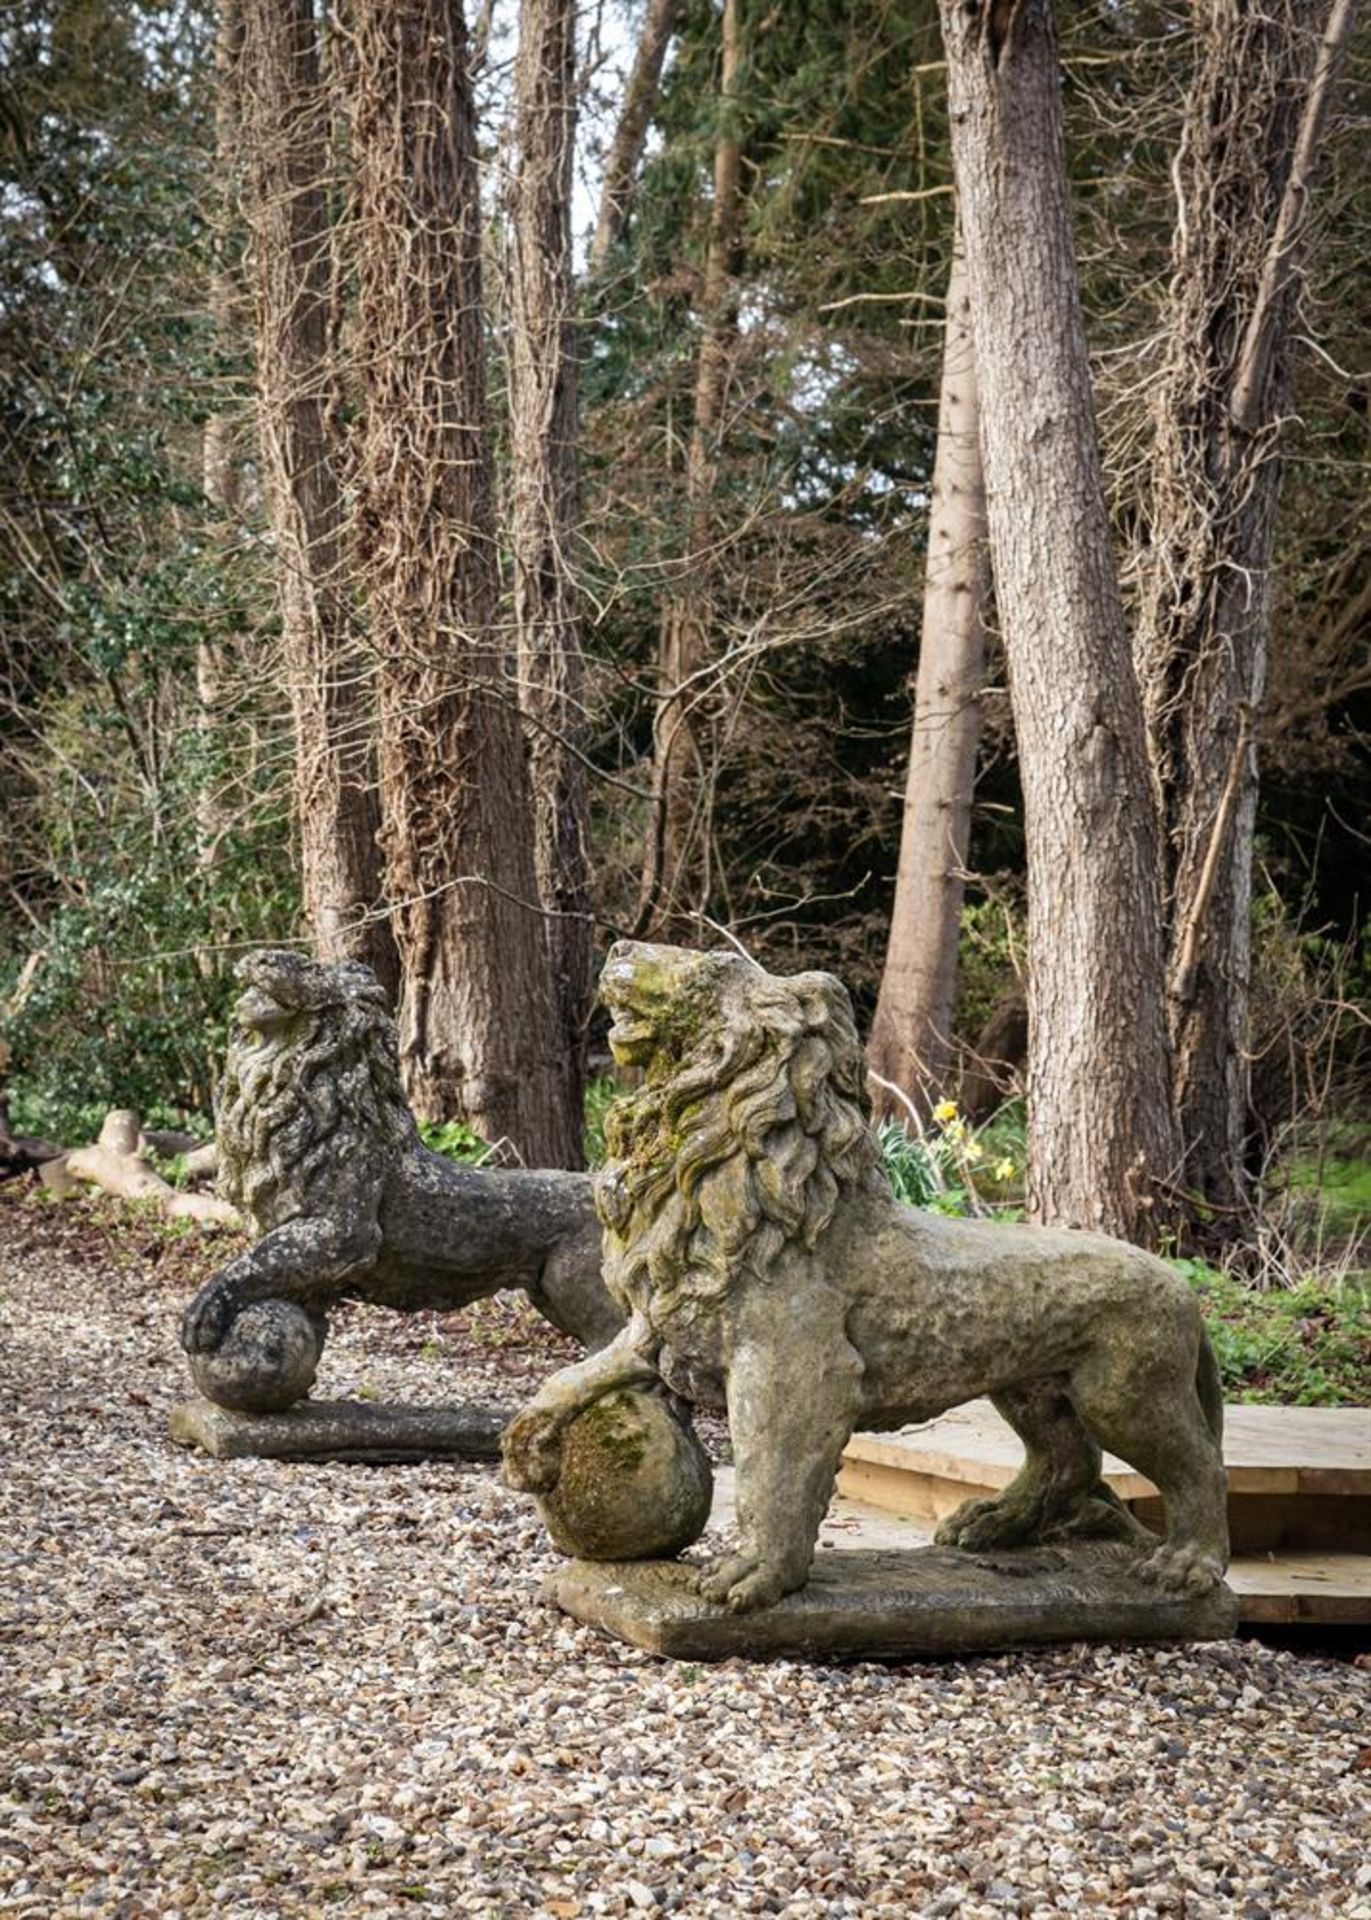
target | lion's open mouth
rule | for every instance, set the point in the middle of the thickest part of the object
(634, 1026)
(258, 1012)
(647, 989)
(630, 1035)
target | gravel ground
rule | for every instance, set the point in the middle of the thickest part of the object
(258, 1689)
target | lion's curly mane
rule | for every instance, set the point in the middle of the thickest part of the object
(742, 1142)
(311, 1097)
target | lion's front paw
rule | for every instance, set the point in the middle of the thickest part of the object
(531, 1447)
(209, 1316)
(742, 1582)
(1183, 1569)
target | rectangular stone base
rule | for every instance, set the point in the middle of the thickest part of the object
(367, 1430)
(896, 1604)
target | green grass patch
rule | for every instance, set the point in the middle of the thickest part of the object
(1307, 1345)
(1342, 1185)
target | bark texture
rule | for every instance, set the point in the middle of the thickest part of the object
(219, 467)
(911, 1036)
(543, 507)
(630, 134)
(1100, 1133)
(220, 472)
(1243, 175)
(285, 130)
(676, 876)
(477, 1034)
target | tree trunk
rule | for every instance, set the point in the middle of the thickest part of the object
(221, 476)
(911, 1036)
(630, 135)
(676, 877)
(1243, 175)
(285, 131)
(477, 1029)
(1100, 1132)
(543, 506)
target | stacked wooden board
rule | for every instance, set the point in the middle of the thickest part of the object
(1299, 1497)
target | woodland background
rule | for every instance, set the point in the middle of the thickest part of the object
(466, 495)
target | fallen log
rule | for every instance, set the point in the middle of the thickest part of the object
(21, 1152)
(24, 1152)
(117, 1163)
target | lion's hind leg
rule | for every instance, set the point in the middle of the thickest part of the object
(1153, 1419)
(1057, 1494)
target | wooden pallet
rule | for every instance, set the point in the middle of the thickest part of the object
(1299, 1481)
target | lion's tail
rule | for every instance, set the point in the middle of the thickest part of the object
(1209, 1385)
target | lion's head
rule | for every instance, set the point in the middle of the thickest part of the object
(749, 1127)
(312, 1075)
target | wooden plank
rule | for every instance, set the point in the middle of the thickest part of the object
(896, 1490)
(1328, 1449)
(959, 1456)
(1343, 1483)
(972, 1447)
(1282, 1522)
(1328, 1589)
(1291, 1588)
(1313, 1436)
(1268, 1450)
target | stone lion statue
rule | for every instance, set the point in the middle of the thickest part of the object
(317, 1146)
(753, 1239)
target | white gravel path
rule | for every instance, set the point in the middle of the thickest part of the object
(254, 1689)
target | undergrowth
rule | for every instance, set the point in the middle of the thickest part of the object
(1307, 1344)
(455, 1140)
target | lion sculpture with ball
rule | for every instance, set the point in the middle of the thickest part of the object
(752, 1238)
(318, 1147)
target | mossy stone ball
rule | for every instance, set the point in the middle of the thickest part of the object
(265, 1362)
(635, 1482)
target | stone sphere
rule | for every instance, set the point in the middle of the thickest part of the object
(265, 1362)
(635, 1482)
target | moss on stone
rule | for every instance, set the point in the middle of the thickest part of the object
(611, 1424)
(635, 1482)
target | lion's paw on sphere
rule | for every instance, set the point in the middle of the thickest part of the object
(632, 1481)
(265, 1362)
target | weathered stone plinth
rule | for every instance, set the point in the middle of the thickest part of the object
(896, 1604)
(366, 1430)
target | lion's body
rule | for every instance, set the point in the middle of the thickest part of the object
(752, 1237)
(319, 1148)
(944, 1310)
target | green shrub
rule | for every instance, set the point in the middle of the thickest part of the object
(455, 1140)
(991, 939)
(126, 991)
(1305, 1345)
